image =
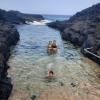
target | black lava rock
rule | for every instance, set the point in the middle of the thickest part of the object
(82, 29)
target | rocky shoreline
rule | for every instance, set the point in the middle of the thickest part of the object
(82, 29)
(9, 37)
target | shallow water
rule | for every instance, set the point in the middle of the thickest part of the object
(30, 63)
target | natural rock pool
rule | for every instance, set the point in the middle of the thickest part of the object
(30, 64)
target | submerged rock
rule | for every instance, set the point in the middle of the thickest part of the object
(33, 97)
(73, 84)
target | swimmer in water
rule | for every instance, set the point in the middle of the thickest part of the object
(50, 74)
(54, 46)
(49, 47)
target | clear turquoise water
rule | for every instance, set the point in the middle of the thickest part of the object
(34, 39)
(30, 62)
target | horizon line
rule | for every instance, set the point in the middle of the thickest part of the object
(37, 13)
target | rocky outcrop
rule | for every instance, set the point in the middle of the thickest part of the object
(82, 29)
(16, 17)
(8, 37)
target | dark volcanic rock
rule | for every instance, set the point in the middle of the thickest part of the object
(60, 25)
(32, 17)
(82, 29)
(16, 17)
(5, 88)
(8, 37)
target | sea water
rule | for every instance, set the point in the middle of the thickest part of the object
(30, 62)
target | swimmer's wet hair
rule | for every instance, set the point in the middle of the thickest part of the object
(51, 72)
(54, 40)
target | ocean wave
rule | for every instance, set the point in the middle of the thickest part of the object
(42, 22)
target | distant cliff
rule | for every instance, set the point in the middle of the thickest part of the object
(16, 17)
(9, 36)
(82, 29)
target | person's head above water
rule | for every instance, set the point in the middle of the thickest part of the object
(54, 41)
(50, 42)
(51, 73)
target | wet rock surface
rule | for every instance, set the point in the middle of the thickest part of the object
(82, 29)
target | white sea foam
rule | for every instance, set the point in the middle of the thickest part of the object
(42, 22)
